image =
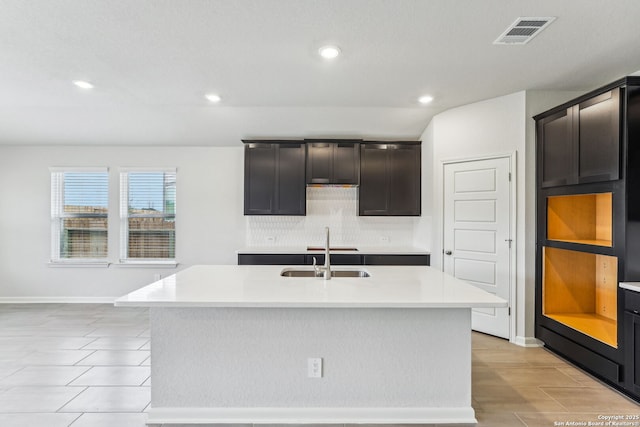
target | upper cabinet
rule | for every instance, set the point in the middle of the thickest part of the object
(389, 179)
(598, 136)
(274, 175)
(556, 149)
(580, 143)
(333, 162)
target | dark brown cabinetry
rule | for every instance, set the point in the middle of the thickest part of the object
(632, 341)
(389, 179)
(396, 260)
(271, 259)
(556, 149)
(580, 143)
(276, 172)
(336, 259)
(274, 178)
(588, 228)
(333, 162)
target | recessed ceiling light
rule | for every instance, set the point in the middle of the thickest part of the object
(212, 97)
(329, 52)
(425, 99)
(82, 84)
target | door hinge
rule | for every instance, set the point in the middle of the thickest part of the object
(509, 308)
(509, 176)
(509, 240)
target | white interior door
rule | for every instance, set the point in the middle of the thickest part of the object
(477, 225)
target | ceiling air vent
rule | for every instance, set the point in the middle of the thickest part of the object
(523, 30)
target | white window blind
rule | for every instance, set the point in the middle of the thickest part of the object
(79, 214)
(148, 213)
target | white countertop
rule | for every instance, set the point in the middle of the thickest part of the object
(262, 286)
(632, 286)
(362, 250)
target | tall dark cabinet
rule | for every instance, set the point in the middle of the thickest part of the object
(632, 340)
(588, 228)
(389, 179)
(274, 175)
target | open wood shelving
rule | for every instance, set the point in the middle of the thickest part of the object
(580, 291)
(580, 218)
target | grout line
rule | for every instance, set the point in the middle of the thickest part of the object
(541, 388)
(70, 400)
(76, 364)
(520, 419)
(85, 371)
(75, 419)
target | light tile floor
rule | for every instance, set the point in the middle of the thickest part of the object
(87, 365)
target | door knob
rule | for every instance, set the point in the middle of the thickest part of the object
(448, 252)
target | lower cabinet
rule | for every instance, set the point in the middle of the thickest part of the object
(271, 259)
(396, 259)
(336, 259)
(632, 342)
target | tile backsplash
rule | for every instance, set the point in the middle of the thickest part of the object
(337, 208)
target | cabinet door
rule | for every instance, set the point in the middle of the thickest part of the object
(319, 159)
(290, 192)
(373, 196)
(346, 163)
(259, 178)
(598, 135)
(556, 149)
(333, 163)
(270, 259)
(404, 179)
(396, 259)
(336, 259)
(632, 352)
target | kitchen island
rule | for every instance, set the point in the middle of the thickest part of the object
(232, 344)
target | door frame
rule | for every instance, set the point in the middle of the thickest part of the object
(513, 186)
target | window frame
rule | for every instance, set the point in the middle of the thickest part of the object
(57, 213)
(124, 218)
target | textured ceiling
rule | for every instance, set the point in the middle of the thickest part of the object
(152, 61)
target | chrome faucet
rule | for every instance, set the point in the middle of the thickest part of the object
(324, 271)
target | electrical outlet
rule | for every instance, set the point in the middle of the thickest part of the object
(314, 367)
(384, 239)
(270, 239)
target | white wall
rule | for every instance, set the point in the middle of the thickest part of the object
(210, 225)
(424, 225)
(496, 126)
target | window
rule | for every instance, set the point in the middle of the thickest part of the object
(79, 214)
(147, 214)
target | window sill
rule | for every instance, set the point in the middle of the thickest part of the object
(78, 264)
(147, 264)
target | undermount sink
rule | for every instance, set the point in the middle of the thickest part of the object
(334, 273)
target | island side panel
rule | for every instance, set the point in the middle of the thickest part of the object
(257, 357)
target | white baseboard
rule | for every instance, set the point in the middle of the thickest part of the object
(420, 415)
(528, 342)
(57, 300)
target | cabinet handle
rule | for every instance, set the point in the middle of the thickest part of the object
(448, 252)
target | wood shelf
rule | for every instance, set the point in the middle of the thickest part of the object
(579, 289)
(580, 218)
(598, 327)
(592, 242)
